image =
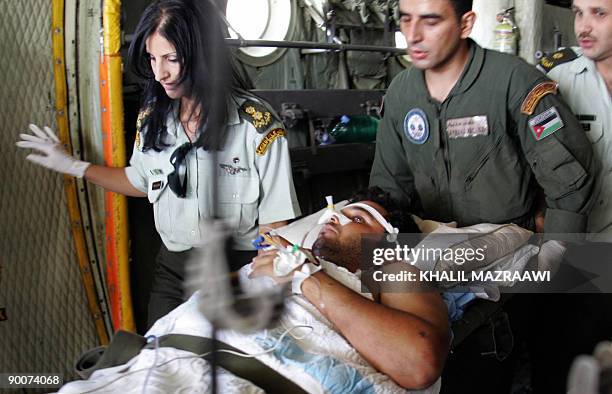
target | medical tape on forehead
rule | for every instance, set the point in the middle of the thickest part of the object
(376, 215)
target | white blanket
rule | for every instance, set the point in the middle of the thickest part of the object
(322, 361)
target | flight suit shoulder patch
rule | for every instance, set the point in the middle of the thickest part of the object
(142, 117)
(547, 63)
(263, 146)
(546, 124)
(258, 115)
(535, 95)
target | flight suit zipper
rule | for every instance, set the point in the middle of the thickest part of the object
(484, 159)
(444, 140)
(441, 116)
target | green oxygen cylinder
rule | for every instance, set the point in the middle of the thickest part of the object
(359, 128)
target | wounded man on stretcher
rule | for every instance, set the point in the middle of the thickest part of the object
(333, 336)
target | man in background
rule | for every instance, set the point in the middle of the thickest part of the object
(584, 75)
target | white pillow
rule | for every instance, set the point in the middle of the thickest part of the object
(497, 243)
(304, 232)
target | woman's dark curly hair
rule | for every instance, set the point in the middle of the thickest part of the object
(398, 217)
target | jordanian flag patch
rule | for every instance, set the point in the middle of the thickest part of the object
(546, 123)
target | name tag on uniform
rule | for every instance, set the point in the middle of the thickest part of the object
(585, 121)
(472, 126)
(157, 185)
(586, 118)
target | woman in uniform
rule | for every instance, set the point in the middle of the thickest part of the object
(198, 140)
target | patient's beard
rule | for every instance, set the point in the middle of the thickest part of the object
(345, 254)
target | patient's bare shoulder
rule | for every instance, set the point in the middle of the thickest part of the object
(413, 296)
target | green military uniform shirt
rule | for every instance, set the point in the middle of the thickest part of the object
(587, 94)
(477, 156)
(253, 170)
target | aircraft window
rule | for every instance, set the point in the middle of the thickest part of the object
(261, 20)
(250, 18)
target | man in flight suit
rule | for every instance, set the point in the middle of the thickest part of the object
(472, 135)
(467, 133)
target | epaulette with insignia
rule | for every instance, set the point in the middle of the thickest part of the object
(258, 115)
(563, 56)
(142, 116)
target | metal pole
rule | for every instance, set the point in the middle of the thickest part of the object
(213, 360)
(313, 45)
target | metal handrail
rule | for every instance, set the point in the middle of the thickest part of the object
(313, 45)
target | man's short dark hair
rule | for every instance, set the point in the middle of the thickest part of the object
(398, 217)
(461, 7)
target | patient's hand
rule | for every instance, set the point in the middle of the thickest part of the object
(263, 265)
(273, 240)
(280, 264)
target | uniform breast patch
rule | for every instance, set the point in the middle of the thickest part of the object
(586, 118)
(546, 123)
(533, 98)
(472, 126)
(232, 170)
(585, 121)
(269, 139)
(416, 126)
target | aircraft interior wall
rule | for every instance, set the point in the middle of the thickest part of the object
(45, 321)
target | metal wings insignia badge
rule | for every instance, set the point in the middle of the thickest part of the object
(231, 170)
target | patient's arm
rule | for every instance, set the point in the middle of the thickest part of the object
(405, 337)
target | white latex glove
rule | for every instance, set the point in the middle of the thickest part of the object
(550, 256)
(55, 157)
